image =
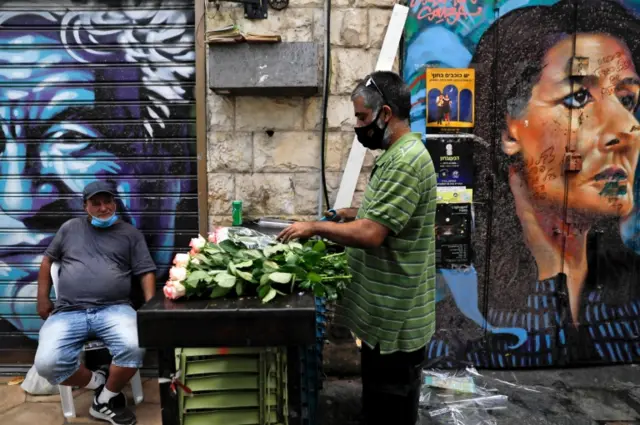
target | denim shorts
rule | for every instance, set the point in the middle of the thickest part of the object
(63, 335)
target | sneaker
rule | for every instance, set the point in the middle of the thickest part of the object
(120, 400)
(111, 412)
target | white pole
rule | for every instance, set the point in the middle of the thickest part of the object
(385, 63)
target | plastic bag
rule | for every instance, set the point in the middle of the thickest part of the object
(243, 236)
(458, 398)
(35, 384)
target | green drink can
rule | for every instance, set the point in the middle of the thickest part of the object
(236, 213)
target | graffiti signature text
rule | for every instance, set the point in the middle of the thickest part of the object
(538, 172)
(449, 11)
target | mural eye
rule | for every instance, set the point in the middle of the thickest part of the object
(628, 101)
(577, 100)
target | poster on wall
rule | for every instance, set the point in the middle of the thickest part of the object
(453, 235)
(450, 100)
(453, 161)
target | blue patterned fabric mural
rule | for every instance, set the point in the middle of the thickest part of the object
(556, 273)
(90, 90)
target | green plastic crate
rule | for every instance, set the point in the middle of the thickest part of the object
(233, 386)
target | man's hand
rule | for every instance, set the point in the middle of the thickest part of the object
(45, 307)
(297, 231)
(347, 214)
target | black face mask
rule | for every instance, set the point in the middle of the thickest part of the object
(371, 136)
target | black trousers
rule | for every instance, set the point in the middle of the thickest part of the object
(391, 386)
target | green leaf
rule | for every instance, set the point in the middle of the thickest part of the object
(219, 259)
(319, 247)
(195, 277)
(270, 295)
(244, 264)
(245, 275)
(271, 265)
(264, 279)
(278, 277)
(225, 280)
(305, 284)
(312, 258)
(295, 245)
(300, 272)
(239, 288)
(332, 294)
(219, 292)
(228, 246)
(318, 290)
(314, 277)
(291, 258)
(254, 253)
(264, 290)
(212, 249)
(274, 249)
(203, 259)
(214, 272)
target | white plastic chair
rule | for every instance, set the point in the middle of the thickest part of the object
(66, 392)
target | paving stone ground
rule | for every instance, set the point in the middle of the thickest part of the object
(591, 396)
(18, 408)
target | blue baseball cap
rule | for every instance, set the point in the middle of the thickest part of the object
(96, 187)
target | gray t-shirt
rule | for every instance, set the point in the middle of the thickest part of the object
(97, 265)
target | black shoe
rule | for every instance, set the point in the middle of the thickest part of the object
(111, 412)
(120, 400)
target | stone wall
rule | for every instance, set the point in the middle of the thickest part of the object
(278, 175)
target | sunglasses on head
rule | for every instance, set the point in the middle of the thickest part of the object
(370, 82)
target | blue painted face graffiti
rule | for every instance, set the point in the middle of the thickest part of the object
(80, 103)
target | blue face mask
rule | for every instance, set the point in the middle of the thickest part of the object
(103, 223)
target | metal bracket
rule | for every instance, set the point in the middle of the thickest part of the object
(253, 9)
(279, 4)
(579, 66)
(572, 161)
(256, 10)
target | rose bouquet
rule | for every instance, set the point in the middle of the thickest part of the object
(216, 269)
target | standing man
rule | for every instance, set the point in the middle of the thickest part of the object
(390, 303)
(99, 254)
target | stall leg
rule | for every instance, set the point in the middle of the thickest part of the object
(296, 406)
(169, 401)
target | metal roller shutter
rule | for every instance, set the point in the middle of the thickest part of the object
(90, 90)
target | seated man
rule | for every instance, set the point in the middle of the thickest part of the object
(98, 255)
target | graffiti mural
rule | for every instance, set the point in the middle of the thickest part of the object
(555, 278)
(90, 90)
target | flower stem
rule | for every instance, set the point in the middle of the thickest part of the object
(332, 255)
(348, 276)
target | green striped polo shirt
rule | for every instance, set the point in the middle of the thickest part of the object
(391, 298)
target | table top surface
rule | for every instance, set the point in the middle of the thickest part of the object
(294, 302)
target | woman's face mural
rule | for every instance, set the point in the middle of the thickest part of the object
(592, 114)
(553, 278)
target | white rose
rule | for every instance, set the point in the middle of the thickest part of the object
(178, 274)
(197, 244)
(179, 288)
(181, 260)
(174, 290)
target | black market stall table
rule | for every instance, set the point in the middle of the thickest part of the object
(247, 362)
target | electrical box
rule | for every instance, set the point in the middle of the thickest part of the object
(572, 161)
(579, 66)
(265, 69)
